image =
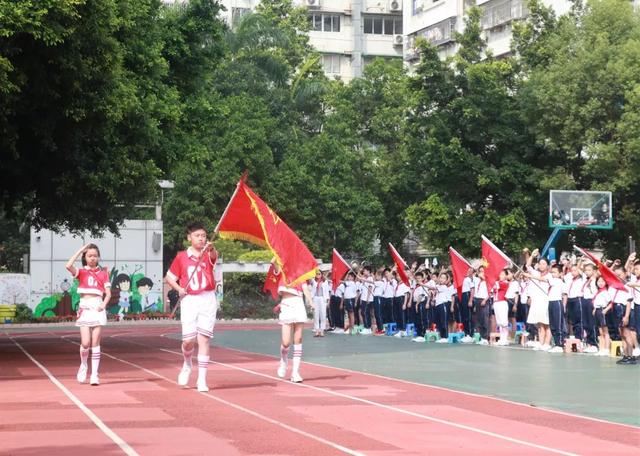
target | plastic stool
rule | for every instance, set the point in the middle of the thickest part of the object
(358, 329)
(476, 337)
(391, 329)
(494, 338)
(431, 336)
(572, 345)
(410, 330)
(454, 338)
(616, 348)
(520, 326)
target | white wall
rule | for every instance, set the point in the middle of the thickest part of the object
(134, 249)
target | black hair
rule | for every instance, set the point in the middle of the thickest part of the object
(122, 277)
(195, 226)
(145, 281)
(386, 270)
(84, 254)
(617, 267)
(419, 274)
(557, 267)
(351, 273)
(367, 268)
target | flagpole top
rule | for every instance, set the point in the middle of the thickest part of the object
(245, 176)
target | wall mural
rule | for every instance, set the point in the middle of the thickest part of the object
(131, 292)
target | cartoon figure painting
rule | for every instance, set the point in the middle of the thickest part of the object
(148, 299)
(123, 283)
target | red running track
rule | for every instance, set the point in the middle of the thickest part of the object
(138, 408)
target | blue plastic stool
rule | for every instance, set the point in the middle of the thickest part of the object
(431, 336)
(410, 330)
(391, 329)
(454, 338)
(520, 326)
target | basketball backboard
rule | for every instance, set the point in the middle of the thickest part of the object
(580, 209)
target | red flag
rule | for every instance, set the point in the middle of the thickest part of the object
(271, 283)
(607, 274)
(339, 268)
(248, 218)
(494, 261)
(459, 267)
(401, 266)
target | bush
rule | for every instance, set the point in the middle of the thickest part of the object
(243, 297)
(24, 314)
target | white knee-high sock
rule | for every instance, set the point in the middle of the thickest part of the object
(187, 354)
(297, 357)
(95, 359)
(84, 355)
(203, 365)
(284, 354)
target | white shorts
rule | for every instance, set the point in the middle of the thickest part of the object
(198, 314)
(292, 310)
(501, 309)
(88, 313)
(538, 312)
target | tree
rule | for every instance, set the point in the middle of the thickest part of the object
(85, 111)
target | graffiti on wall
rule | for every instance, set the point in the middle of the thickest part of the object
(14, 288)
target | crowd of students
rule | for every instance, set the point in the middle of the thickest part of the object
(553, 301)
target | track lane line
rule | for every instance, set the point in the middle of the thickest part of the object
(260, 416)
(124, 446)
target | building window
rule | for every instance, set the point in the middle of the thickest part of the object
(331, 63)
(324, 22)
(237, 14)
(383, 25)
(418, 6)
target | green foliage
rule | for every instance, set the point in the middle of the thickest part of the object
(46, 306)
(24, 314)
(256, 256)
(243, 297)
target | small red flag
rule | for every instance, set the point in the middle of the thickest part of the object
(248, 218)
(272, 283)
(401, 266)
(607, 274)
(493, 260)
(339, 268)
(459, 267)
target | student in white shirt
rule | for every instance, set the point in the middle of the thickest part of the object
(349, 299)
(378, 293)
(387, 296)
(444, 295)
(367, 285)
(337, 312)
(625, 318)
(320, 295)
(466, 305)
(481, 307)
(538, 293)
(601, 306)
(401, 298)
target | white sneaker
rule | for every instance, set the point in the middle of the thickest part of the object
(398, 334)
(338, 331)
(556, 349)
(82, 373)
(502, 343)
(591, 349)
(603, 353)
(483, 342)
(282, 369)
(202, 386)
(295, 377)
(442, 341)
(535, 345)
(418, 339)
(94, 380)
(466, 339)
(545, 347)
(183, 376)
(636, 351)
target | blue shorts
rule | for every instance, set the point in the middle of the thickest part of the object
(349, 304)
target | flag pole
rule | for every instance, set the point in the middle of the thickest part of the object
(243, 179)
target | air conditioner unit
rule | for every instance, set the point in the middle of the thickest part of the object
(312, 4)
(395, 5)
(398, 40)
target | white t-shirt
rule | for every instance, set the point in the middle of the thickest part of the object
(601, 299)
(420, 293)
(513, 290)
(321, 290)
(340, 290)
(444, 294)
(538, 290)
(589, 288)
(573, 287)
(556, 285)
(350, 289)
(389, 288)
(366, 289)
(481, 291)
(378, 289)
(467, 284)
(401, 290)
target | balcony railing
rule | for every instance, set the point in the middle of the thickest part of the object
(502, 12)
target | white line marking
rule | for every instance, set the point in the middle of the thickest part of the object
(239, 407)
(394, 409)
(444, 388)
(124, 446)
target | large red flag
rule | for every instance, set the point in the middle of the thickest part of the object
(248, 218)
(271, 283)
(401, 266)
(459, 267)
(493, 260)
(607, 274)
(339, 268)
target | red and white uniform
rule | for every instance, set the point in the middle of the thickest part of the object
(198, 309)
(92, 283)
(188, 261)
(500, 305)
(292, 308)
